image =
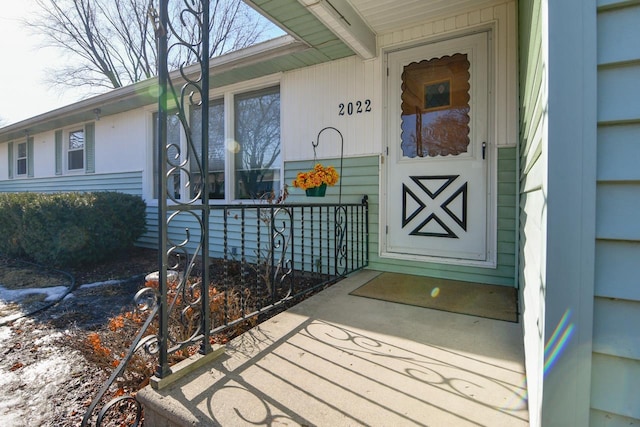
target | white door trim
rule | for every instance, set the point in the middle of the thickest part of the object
(491, 149)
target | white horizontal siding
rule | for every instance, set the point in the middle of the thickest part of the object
(502, 16)
(121, 141)
(311, 96)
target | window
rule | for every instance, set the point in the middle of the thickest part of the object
(20, 156)
(21, 159)
(173, 154)
(243, 163)
(435, 107)
(257, 133)
(75, 150)
(216, 163)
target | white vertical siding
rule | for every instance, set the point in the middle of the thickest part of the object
(311, 99)
(120, 141)
(311, 96)
(616, 340)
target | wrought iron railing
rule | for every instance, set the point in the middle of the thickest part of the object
(221, 267)
(264, 258)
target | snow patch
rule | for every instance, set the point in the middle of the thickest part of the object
(105, 283)
(53, 293)
(48, 339)
(5, 333)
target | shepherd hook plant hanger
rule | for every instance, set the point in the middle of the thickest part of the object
(315, 145)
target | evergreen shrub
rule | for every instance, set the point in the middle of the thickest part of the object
(67, 229)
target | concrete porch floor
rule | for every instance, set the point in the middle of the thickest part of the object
(342, 360)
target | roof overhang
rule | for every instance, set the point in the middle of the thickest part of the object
(344, 21)
(265, 58)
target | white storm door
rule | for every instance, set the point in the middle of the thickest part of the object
(437, 166)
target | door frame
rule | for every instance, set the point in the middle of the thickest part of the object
(491, 153)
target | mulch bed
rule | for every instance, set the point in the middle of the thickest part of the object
(46, 376)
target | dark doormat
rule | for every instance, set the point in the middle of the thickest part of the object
(490, 301)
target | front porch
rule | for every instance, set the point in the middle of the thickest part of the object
(338, 359)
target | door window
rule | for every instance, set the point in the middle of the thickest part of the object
(435, 107)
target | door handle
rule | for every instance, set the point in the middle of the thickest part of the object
(484, 150)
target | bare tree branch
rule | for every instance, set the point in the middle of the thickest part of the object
(112, 43)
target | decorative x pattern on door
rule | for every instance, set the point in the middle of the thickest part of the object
(454, 206)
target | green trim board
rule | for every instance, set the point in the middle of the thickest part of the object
(58, 152)
(10, 157)
(125, 182)
(90, 147)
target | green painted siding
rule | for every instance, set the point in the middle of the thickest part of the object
(90, 147)
(127, 182)
(531, 198)
(58, 152)
(616, 337)
(361, 176)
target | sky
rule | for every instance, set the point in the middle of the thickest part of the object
(23, 90)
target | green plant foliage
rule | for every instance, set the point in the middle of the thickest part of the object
(11, 208)
(66, 229)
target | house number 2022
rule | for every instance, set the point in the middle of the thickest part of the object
(351, 108)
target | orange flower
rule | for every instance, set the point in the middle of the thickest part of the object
(316, 177)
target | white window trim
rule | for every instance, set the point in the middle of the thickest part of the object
(65, 149)
(227, 94)
(18, 158)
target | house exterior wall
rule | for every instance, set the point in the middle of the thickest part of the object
(120, 146)
(361, 176)
(312, 96)
(616, 337)
(531, 250)
(319, 96)
(558, 206)
(125, 182)
(121, 141)
(349, 95)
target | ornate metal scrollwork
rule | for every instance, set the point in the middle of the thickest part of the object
(181, 89)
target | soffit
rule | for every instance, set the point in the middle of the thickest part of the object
(385, 16)
(297, 20)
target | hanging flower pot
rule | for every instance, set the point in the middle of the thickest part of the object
(316, 191)
(315, 181)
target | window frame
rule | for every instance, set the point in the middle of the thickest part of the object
(227, 95)
(18, 159)
(233, 158)
(67, 150)
(220, 102)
